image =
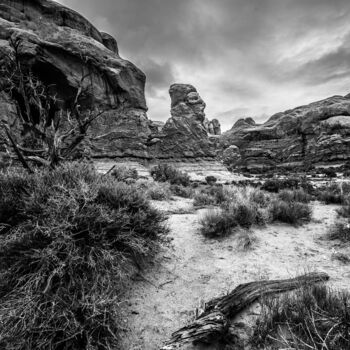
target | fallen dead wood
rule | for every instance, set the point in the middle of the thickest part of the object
(213, 323)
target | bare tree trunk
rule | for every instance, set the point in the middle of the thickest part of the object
(17, 151)
(213, 323)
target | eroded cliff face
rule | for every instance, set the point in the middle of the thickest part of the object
(318, 133)
(61, 47)
(66, 52)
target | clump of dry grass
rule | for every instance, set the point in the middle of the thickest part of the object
(124, 173)
(248, 206)
(340, 231)
(334, 193)
(181, 191)
(342, 257)
(159, 191)
(217, 223)
(293, 213)
(246, 240)
(210, 195)
(296, 195)
(314, 317)
(69, 239)
(168, 173)
(239, 208)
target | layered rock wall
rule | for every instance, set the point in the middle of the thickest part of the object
(318, 133)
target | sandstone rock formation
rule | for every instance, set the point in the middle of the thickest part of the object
(213, 127)
(318, 133)
(231, 156)
(61, 47)
(66, 52)
(184, 135)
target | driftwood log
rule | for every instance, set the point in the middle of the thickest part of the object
(213, 323)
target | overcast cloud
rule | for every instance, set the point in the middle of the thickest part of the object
(245, 57)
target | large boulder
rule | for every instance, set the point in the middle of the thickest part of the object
(318, 133)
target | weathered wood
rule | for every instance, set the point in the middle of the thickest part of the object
(213, 323)
(206, 329)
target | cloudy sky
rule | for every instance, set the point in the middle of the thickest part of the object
(245, 57)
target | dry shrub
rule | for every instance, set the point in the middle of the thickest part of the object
(181, 191)
(276, 185)
(237, 210)
(262, 198)
(124, 173)
(155, 190)
(168, 173)
(344, 211)
(69, 240)
(246, 240)
(247, 214)
(211, 180)
(248, 206)
(217, 223)
(298, 195)
(290, 212)
(332, 193)
(340, 231)
(342, 257)
(213, 195)
(314, 317)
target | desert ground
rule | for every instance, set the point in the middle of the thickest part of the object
(192, 269)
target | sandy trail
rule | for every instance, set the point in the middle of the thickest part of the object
(194, 269)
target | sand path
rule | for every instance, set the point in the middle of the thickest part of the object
(194, 269)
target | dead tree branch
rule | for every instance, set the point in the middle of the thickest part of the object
(214, 323)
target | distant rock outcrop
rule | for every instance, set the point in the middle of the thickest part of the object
(213, 126)
(318, 133)
(184, 135)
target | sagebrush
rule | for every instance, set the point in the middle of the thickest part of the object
(69, 239)
(314, 317)
(166, 172)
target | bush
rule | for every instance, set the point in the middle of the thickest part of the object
(290, 212)
(340, 231)
(211, 180)
(214, 195)
(237, 210)
(275, 185)
(330, 172)
(329, 197)
(344, 211)
(331, 194)
(310, 318)
(246, 214)
(246, 241)
(217, 223)
(181, 191)
(165, 172)
(263, 199)
(294, 196)
(158, 192)
(341, 257)
(123, 173)
(69, 239)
